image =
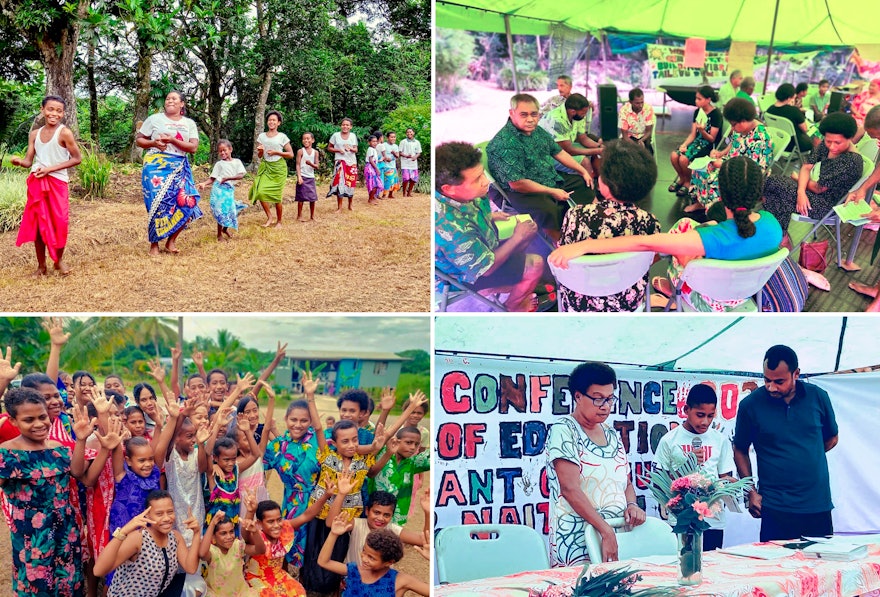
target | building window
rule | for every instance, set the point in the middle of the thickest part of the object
(379, 368)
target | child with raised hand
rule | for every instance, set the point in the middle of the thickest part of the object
(51, 150)
(372, 175)
(307, 159)
(398, 465)
(266, 572)
(714, 455)
(410, 150)
(146, 552)
(224, 554)
(388, 165)
(226, 173)
(35, 477)
(294, 456)
(373, 577)
(252, 477)
(345, 459)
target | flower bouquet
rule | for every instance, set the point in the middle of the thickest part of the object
(614, 583)
(692, 496)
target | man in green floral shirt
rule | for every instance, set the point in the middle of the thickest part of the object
(466, 241)
(522, 159)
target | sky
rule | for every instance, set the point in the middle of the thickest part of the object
(368, 333)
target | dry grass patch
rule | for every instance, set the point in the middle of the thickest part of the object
(372, 259)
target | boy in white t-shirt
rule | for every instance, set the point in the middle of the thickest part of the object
(715, 454)
(410, 150)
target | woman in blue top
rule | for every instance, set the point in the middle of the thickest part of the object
(743, 235)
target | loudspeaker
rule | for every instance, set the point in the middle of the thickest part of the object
(608, 111)
(836, 101)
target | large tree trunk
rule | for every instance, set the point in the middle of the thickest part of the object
(142, 96)
(93, 95)
(215, 104)
(260, 115)
(58, 50)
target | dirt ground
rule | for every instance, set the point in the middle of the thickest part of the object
(412, 563)
(375, 258)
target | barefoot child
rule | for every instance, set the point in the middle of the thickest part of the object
(343, 145)
(372, 177)
(373, 577)
(224, 555)
(227, 171)
(390, 153)
(35, 476)
(410, 150)
(51, 150)
(306, 161)
(268, 187)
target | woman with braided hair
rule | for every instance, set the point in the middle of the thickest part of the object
(741, 234)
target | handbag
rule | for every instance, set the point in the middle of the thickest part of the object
(814, 255)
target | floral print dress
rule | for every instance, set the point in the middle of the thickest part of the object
(296, 462)
(755, 145)
(265, 572)
(606, 218)
(46, 549)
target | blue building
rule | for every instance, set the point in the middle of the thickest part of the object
(341, 370)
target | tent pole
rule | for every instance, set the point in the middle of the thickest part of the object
(770, 49)
(510, 52)
(587, 59)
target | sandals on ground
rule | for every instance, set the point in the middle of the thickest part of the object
(673, 188)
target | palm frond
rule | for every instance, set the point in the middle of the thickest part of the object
(616, 583)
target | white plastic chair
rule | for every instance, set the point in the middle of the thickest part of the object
(784, 124)
(652, 538)
(729, 280)
(603, 275)
(779, 140)
(475, 551)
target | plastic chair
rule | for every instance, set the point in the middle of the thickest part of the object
(784, 124)
(765, 101)
(475, 551)
(603, 275)
(652, 538)
(449, 290)
(779, 139)
(870, 156)
(729, 280)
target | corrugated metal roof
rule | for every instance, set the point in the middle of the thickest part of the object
(336, 355)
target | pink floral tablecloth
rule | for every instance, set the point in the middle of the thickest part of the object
(724, 575)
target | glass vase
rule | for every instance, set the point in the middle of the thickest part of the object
(690, 558)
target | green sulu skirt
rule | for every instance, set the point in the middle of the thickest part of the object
(269, 182)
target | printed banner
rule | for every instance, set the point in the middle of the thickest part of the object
(492, 417)
(668, 62)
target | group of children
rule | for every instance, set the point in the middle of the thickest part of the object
(172, 500)
(52, 150)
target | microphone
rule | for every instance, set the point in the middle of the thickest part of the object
(696, 444)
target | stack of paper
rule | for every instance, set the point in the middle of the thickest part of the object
(836, 551)
(761, 552)
(505, 227)
(853, 213)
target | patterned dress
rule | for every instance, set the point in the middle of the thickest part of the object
(837, 175)
(224, 574)
(356, 587)
(754, 145)
(296, 462)
(46, 550)
(606, 218)
(265, 572)
(225, 496)
(150, 573)
(604, 473)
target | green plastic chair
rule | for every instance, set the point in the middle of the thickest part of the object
(604, 275)
(475, 551)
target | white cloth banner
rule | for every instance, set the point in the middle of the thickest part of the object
(492, 416)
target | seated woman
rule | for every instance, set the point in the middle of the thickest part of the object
(705, 134)
(863, 102)
(831, 170)
(628, 175)
(749, 138)
(785, 108)
(743, 235)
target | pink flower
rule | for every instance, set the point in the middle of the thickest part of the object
(675, 501)
(681, 483)
(38, 520)
(156, 181)
(703, 509)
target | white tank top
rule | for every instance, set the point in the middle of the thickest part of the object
(50, 153)
(306, 170)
